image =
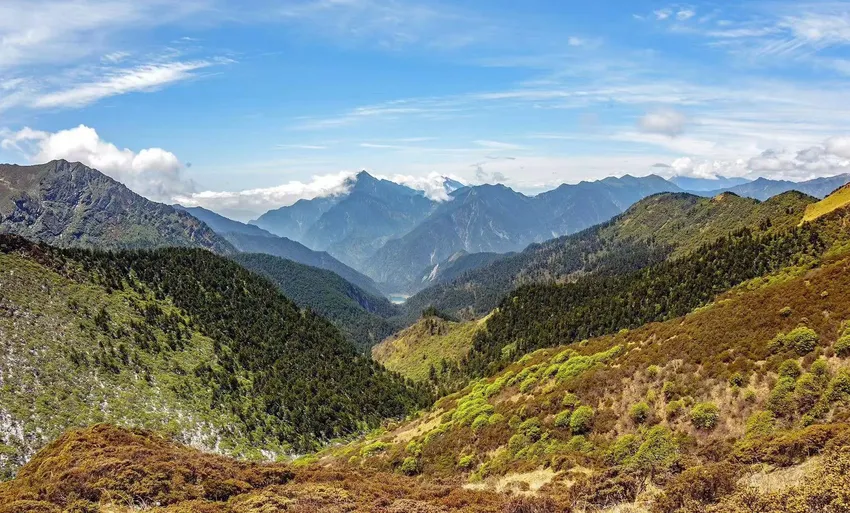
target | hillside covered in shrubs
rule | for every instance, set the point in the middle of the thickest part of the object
(680, 415)
(178, 340)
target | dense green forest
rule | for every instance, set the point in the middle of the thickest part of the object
(652, 230)
(362, 316)
(544, 315)
(286, 375)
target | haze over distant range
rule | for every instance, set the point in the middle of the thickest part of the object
(243, 109)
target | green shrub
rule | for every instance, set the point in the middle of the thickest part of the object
(776, 344)
(579, 443)
(562, 419)
(760, 423)
(790, 369)
(517, 443)
(674, 409)
(496, 418)
(410, 466)
(639, 413)
(669, 390)
(839, 386)
(750, 395)
(528, 384)
(531, 428)
(653, 371)
(581, 420)
(373, 448)
(414, 448)
(480, 422)
(807, 391)
(570, 400)
(737, 380)
(623, 448)
(781, 398)
(842, 346)
(658, 451)
(705, 416)
(820, 368)
(785, 311)
(466, 461)
(651, 396)
(802, 340)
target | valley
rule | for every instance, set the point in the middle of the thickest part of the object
(424, 256)
(656, 361)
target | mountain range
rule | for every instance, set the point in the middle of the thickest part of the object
(656, 228)
(397, 236)
(402, 240)
(692, 354)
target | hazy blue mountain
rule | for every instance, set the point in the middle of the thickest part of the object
(353, 225)
(571, 208)
(221, 224)
(497, 219)
(295, 220)
(691, 184)
(764, 188)
(70, 205)
(253, 239)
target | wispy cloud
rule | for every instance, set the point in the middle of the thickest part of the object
(139, 79)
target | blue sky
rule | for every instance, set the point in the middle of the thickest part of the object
(245, 106)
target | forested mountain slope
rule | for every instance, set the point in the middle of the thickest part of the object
(430, 350)
(684, 415)
(360, 314)
(180, 340)
(70, 205)
(649, 232)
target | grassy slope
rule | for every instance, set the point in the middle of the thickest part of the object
(358, 313)
(510, 423)
(60, 369)
(836, 200)
(413, 351)
(686, 222)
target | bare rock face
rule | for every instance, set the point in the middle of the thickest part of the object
(68, 204)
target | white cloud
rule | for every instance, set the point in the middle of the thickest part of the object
(256, 201)
(662, 14)
(707, 168)
(151, 172)
(143, 78)
(433, 185)
(56, 31)
(830, 158)
(685, 14)
(498, 145)
(839, 146)
(666, 122)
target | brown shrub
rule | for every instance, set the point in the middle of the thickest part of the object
(531, 505)
(705, 484)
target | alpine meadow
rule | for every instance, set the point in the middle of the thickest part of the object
(419, 256)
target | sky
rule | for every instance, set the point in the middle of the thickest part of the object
(246, 106)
